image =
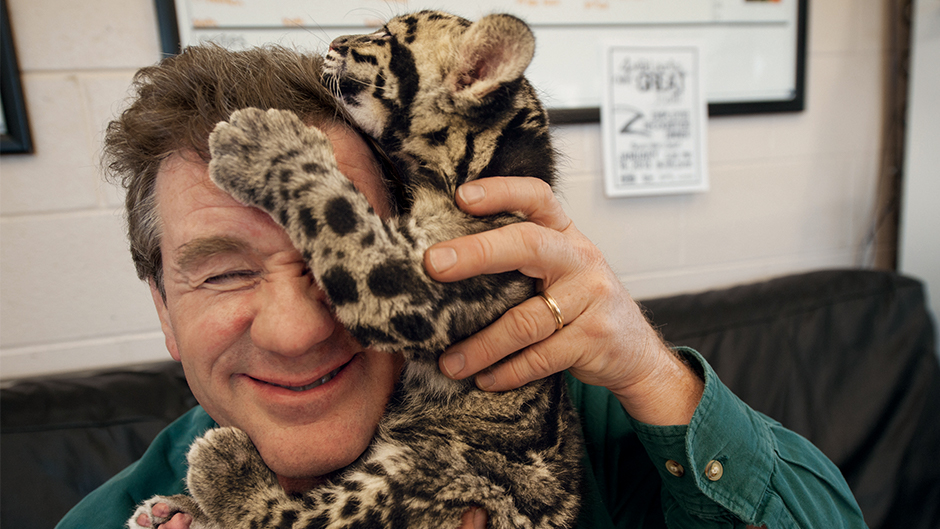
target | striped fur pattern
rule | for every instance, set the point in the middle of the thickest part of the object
(446, 99)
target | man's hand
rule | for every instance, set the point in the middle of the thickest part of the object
(606, 340)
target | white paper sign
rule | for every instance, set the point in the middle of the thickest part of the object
(653, 119)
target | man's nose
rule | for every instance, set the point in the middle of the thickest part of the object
(291, 316)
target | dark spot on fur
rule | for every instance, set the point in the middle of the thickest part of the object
(403, 67)
(367, 335)
(284, 156)
(340, 216)
(305, 186)
(340, 286)
(287, 519)
(350, 88)
(313, 168)
(351, 508)
(413, 327)
(368, 240)
(309, 222)
(436, 138)
(363, 58)
(394, 277)
(267, 202)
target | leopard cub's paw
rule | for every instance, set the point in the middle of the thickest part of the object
(259, 155)
(224, 461)
(160, 509)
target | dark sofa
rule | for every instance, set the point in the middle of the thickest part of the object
(846, 358)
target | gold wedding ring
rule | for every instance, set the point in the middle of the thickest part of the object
(553, 306)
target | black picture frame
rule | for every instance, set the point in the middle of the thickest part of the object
(16, 138)
(170, 41)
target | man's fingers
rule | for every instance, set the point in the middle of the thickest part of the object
(535, 362)
(530, 322)
(526, 247)
(530, 196)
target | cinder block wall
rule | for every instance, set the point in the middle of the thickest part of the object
(789, 192)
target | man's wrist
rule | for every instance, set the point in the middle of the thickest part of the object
(668, 395)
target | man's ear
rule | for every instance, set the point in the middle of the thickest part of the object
(493, 51)
(164, 314)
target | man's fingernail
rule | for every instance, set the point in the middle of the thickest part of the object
(485, 380)
(442, 258)
(471, 193)
(479, 518)
(453, 364)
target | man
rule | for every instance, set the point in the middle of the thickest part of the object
(666, 442)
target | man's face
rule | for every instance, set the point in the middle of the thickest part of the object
(254, 333)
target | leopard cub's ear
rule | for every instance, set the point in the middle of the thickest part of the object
(493, 51)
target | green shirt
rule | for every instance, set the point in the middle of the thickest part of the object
(769, 475)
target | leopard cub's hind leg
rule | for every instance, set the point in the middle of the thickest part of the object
(228, 478)
(160, 509)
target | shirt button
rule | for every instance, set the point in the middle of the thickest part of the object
(675, 468)
(714, 470)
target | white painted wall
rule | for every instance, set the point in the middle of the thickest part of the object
(920, 221)
(789, 192)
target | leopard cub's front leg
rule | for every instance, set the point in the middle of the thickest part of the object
(371, 270)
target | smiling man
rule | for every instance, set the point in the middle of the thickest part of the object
(258, 343)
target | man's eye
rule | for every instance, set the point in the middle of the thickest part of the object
(233, 278)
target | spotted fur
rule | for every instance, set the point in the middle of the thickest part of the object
(447, 100)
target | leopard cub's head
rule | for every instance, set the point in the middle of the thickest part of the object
(428, 62)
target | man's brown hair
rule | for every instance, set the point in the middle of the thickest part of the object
(176, 104)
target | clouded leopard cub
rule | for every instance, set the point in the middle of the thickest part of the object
(446, 99)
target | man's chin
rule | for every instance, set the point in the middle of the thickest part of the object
(299, 469)
(300, 485)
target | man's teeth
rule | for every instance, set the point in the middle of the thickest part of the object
(312, 385)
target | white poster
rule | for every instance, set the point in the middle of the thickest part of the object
(653, 119)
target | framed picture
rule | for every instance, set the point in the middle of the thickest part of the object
(753, 50)
(14, 128)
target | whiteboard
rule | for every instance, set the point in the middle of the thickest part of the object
(753, 50)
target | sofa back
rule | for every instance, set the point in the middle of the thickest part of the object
(845, 358)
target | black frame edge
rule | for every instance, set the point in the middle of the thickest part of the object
(17, 139)
(170, 42)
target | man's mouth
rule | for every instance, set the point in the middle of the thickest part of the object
(314, 384)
